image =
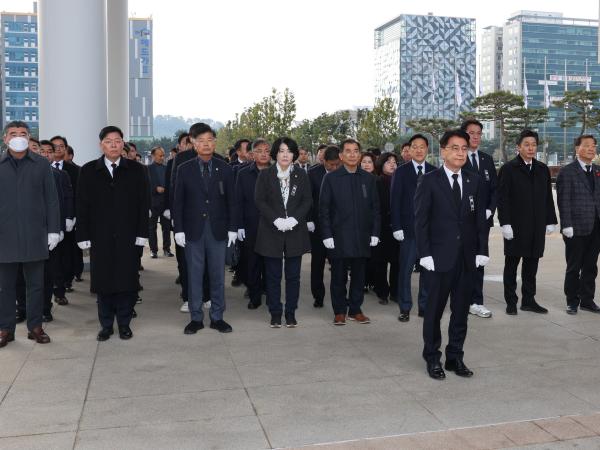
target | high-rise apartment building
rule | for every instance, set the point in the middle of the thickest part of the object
(140, 79)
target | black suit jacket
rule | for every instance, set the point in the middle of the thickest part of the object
(158, 202)
(179, 159)
(315, 176)
(442, 229)
(578, 205)
(73, 172)
(487, 172)
(246, 209)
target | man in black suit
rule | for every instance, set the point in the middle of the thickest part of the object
(248, 220)
(331, 161)
(205, 223)
(350, 225)
(158, 204)
(452, 241)
(526, 213)
(303, 162)
(402, 207)
(113, 203)
(578, 196)
(483, 165)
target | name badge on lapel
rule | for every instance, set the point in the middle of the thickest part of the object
(221, 189)
(487, 175)
(364, 189)
(472, 203)
(293, 190)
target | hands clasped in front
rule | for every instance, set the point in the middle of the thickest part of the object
(285, 224)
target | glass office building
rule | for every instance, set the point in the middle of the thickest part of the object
(19, 68)
(426, 64)
(140, 79)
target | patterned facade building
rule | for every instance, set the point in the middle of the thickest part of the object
(426, 64)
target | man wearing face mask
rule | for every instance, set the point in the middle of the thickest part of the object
(29, 228)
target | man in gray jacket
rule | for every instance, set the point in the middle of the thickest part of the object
(29, 228)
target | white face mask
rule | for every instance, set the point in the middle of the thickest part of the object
(18, 144)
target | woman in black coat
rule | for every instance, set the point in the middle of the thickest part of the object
(386, 253)
(283, 198)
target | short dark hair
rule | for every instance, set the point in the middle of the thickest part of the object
(46, 142)
(331, 153)
(62, 138)
(70, 150)
(257, 142)
(364, 155)
(375, 150)
(321, 147)
(449, 134)
(132, 144)
(174, 149)
(349, 141)
(467, 122)
(528, 133)
(382, 159)
(239, 143)
(16, 124)
(32, 139)
(200, 128)
(291, 144)
(182, 136)
(406, 144)
(107, 130)
(578, 139)
(414, 137)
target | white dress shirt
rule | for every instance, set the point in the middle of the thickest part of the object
(476, 153)
(449, 174)
(582, 164)
(58, 164)
(109, 165)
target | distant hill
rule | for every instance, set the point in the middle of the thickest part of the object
(166, 126)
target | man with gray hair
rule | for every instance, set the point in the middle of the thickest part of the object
(29, 228)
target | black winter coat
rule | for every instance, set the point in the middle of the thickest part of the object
(270, 241)
(112, 213)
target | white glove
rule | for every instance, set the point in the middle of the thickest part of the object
(69, 224)
(427, 263)
(62, 236)
(53, 240)
(507, 232)
(374, 241)
(180, 239)
(167, 214)
(84, 245)
(291, 223)
(280, 224)
(481, 260)
(310, 226)
(328, 243)
(241, 234)
(550, 229)
(140, 241)
(568, 232)
(232, 235)
(488, 214)
(149, 213)
(398, 235)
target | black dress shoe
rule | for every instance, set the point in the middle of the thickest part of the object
(104, 334)
(47, 317)
(591, 307)
(421, 312)
(61, 301)
(275, 321)
(404, 316)
(141, 267)
(236, 282)
(78, 278)
(383, 300)
(133, 314)
(178, 280)
(168, 253)
(534, 307)
(511, 310)
(571, 309)
(20, 317)
(221, 326)
(153, 255)
(125, 332)
(193, 327)
(253, 305)
(318, 303)
(290, 320)
(458, 367)
(435, 370)
(69, 289)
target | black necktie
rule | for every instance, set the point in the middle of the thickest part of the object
(419, 171)
(205, 174)
(474, 162)
(114, 167)
(529, 167)
(57, 165)
(456, 189)
(590, 176)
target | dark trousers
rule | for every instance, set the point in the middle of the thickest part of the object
(384, 256)
(77, 260)
(317, 266)
(255, 271)
(67, 263)
(240, 269)
(182, 269)
(528, 273)
(273, 271)
(207, 253)
(51, 265)
(370, 272)
(119, 305)
(165, 225)
(477, 296)
(581, 253)
(339, 278)
(456, 283)
(34, 286)
(407, 255)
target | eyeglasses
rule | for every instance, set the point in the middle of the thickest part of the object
(456, 148)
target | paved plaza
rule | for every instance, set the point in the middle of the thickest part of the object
(352, 387)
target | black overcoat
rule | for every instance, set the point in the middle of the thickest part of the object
(525, 202)
(112, 213)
